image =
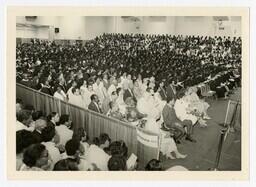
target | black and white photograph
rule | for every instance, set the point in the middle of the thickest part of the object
(126, 93)
(115, 93)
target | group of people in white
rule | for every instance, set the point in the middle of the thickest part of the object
(143, 99)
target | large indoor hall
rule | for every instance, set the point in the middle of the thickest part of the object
(128, 93)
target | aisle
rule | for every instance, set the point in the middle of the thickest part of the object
(201, 155)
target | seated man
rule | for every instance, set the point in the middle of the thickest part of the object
(96, 154)
(94, 105)
(171, 121)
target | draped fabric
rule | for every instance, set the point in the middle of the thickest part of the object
(94, 123)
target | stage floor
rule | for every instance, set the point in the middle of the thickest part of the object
(201, 155)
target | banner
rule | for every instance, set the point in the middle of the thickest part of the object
(147, 139)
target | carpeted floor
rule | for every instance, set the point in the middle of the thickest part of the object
(202, 155)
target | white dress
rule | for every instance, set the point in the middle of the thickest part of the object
(198, 104)
(167, 144)
(65, 134)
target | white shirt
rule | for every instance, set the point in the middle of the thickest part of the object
(21, 126)
(65, 134)
(69, 92)
(53, 151)
(97, 156)
(111, 89)
(60, 96)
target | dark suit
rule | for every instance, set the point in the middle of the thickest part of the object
(37, 136)
(46, 90)
(170, 92)
(170, 119)
(92, 106)
(129, 93)
(163, 94)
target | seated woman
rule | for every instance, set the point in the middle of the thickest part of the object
(184, 112)
(196, 104)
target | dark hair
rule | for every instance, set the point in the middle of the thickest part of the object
(36, 115)
(51, 115)
(148, 89)
(19, 100)
(181, 93)
(118, 148)
(118, 90)
(24, 139)
(29, 107)
(66, 165)
(48, 133)
(74, 89)
(96, 141)
(32, 154)
(153, 165)
(93, 97)
(111, 104)
(63, 119)
(23, 115)
(113, 93)
(103, 138)
(78, 134)
(117, 163)
(72, 146)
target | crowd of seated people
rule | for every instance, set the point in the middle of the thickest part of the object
(48, 143)
(136, 77)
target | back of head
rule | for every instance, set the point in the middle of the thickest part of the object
(23, 115)
(32, 154)
(118, 148)
(103, 138)
(64, 118)
(24, 139)
(66, 165)
(48, 133)
(153, 165)
(72, 147)
(36, 115)
(117, 163)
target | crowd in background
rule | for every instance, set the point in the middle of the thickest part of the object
(153, 79)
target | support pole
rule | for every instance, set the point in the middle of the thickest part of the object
(222, 135)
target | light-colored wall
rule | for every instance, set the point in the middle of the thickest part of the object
(85, 28)
(158, 25)
(194, 26)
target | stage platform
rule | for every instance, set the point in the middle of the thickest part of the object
(201, 155)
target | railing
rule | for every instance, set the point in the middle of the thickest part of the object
(94, 123)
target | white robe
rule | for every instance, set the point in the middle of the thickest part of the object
(54, 153)
(65, 134)
(62, 96)
(77, 100)
(180, 108)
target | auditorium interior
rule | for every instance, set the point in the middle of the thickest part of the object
(126, 93)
